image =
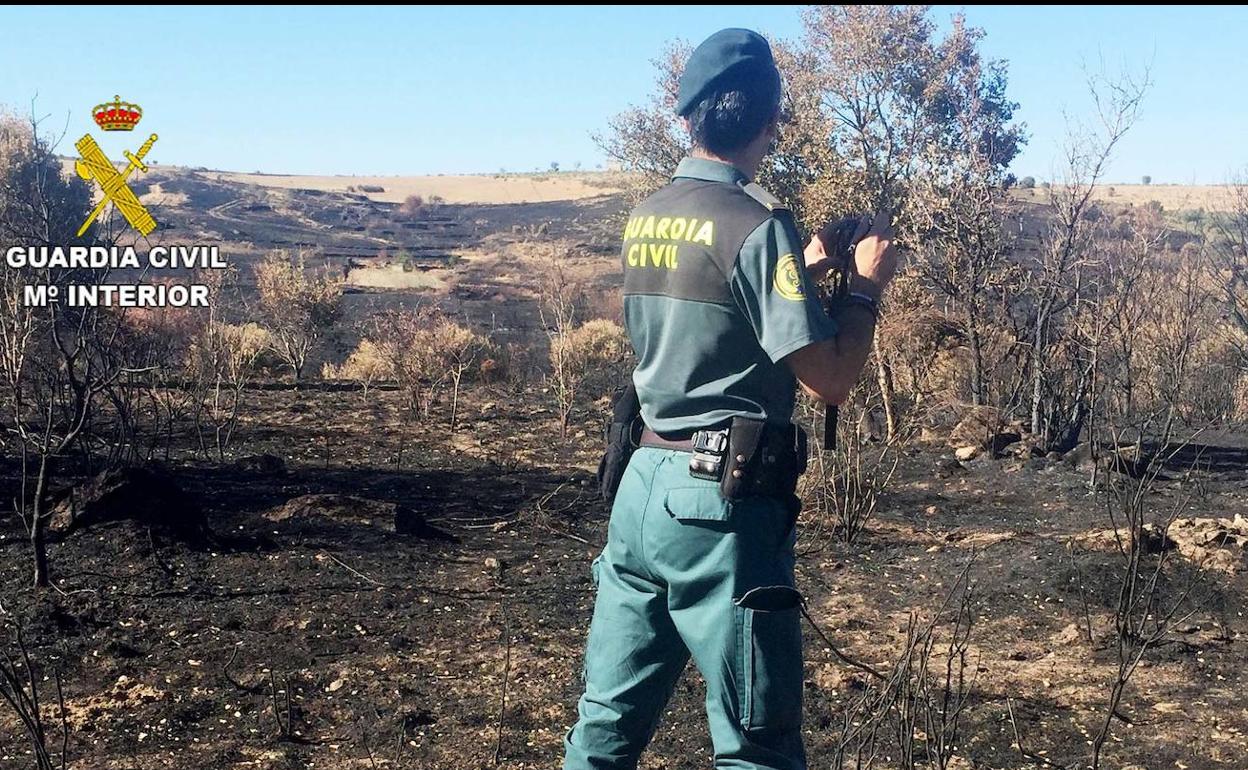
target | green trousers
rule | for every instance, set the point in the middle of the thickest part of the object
(686, 573)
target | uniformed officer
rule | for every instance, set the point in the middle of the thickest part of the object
(720, 310)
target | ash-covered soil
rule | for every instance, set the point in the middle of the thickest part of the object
(318, 642)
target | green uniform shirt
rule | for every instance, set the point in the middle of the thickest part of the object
(715, 295)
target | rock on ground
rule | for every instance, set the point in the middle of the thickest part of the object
(1079, 458)
(145, 494)
(349, 509)
(969, 452)
(1216, 544)
(267, 464)
(982, 427)
(1219, 544)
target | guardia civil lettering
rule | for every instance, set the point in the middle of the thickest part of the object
(690, 229)
(187, 257)
(658, 238)
(116, 257)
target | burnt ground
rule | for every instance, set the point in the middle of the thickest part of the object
(394, 649)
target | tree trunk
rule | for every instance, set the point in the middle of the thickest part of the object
(977, 358)
(38, 527)
(1037, 380)
(884, 377)
(39, 546)
(1069, 438)
(455, 402)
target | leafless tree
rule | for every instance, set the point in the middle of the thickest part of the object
(915, 709)
(585, 357)
(1147, 607)
(841, 490)
(965, 247)
(1230, 264)
(1149, 312)
(1056, 277)
(54, 358)
(19, 690)
(589, 357)
(425, 350)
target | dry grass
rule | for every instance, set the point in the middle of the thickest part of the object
(1172, 197)
(578, 185)
(484, 188)
(462, 188)
(395, 277)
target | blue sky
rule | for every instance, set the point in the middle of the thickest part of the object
(442, 90)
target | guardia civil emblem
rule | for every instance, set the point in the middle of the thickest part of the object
(788, 279)
(95, 165)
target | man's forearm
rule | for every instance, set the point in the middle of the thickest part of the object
(829, 370)
(857, 321)
(853, 341)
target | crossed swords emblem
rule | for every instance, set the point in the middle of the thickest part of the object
(96, 165)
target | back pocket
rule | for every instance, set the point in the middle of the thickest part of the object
(697, 504)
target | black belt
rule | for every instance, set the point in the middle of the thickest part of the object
(683, 441)
(651, 439)
(747, 458)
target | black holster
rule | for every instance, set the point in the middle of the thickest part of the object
(763, 459)
(620, 435)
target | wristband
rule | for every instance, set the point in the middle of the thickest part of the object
(867, 301)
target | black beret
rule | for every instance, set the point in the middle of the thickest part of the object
(742, 52)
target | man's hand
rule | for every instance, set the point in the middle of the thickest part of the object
(828, 369)
(875, 257)
(818, 263)
(824, 249)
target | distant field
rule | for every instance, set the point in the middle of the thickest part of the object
(579, 185)
(1172, 197)
(540, 188)
(484, 188)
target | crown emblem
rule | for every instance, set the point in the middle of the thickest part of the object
(117, 115)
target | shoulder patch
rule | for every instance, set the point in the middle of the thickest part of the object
(769, 201)
(788, 280)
